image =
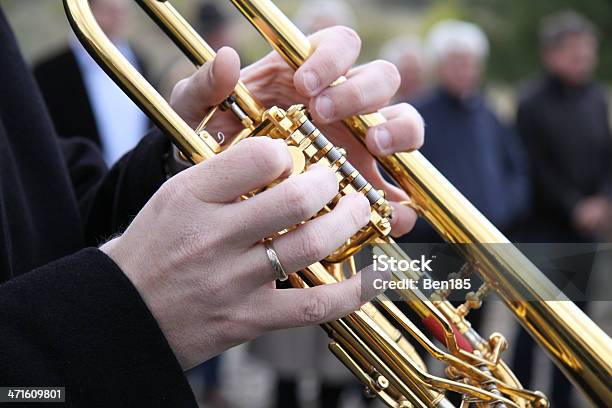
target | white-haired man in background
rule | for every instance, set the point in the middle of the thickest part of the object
(465, 139)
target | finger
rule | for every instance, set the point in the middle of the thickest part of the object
(367, 89)
(336, 50)
(403, 131)
(251, 164)
(403, 219)
(208, 86)
(287, 308)
(312, 241)
(287, 204)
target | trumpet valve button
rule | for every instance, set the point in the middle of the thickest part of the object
(381, 382)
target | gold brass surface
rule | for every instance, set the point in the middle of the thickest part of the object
(578, 346)
(366, 341)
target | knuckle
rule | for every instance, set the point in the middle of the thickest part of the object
(329, 65)
(416, 125)
(316, 308)
(208, 78)
(411, 126)
(329, 184)
(172, 192)
(356, 95)
(186, 183)
(191, 244)
(360, 212)
(390, 73)
(350, 36)
(313, 245)
(329, 68)
(267, 155)
(169, 190)
(297, 201)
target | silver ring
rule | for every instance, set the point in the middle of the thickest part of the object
(279, 271)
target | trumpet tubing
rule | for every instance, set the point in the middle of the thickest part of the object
(576, 344)
(375, 341)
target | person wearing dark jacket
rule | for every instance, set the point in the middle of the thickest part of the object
(82, 100)
(563, 120)
(466, 142)
(188, 276)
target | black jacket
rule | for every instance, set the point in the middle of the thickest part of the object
(567, 137)
(68, 315)
(59, 75)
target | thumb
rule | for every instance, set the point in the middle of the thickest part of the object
(208, 86)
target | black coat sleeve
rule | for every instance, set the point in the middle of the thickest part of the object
(78, 322)
(108, 200)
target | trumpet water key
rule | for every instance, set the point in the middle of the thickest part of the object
(375, 341)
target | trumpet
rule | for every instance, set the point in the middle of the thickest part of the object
(376, 341)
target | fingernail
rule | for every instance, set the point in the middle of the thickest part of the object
(311, 82)
(382, 139)
(325, 108)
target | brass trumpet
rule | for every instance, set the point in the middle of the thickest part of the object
(377, 351)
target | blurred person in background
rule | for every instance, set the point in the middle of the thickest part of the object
(563, 119)
(293, 354)
(83, 100)
(407, 54)
(213, 24)
(465, 139)
(319, 14)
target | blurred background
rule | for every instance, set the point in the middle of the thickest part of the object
(511, 26)
(515, 94)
